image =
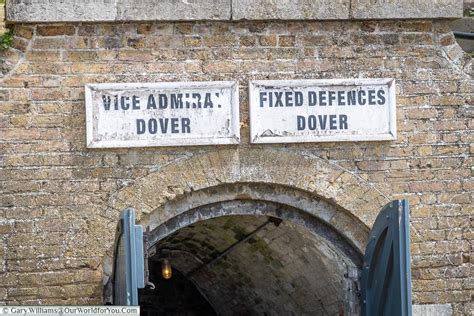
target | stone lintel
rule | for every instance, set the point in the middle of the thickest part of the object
(227, 10)
(407, 9)
(116, 10)
(291, 10)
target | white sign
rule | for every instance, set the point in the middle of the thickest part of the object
(162, 114)
(293, 111)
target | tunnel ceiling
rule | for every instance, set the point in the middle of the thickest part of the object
(279, 269)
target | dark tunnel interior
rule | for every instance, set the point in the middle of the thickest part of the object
(247, 265)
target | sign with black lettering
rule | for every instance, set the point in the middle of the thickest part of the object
(162, 114)
(294, 111)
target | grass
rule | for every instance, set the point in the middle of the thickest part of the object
(6, 40)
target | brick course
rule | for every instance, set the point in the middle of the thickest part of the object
(55, 190)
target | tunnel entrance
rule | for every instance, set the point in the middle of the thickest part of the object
(176, 296)
(251, 257)
(345, 217)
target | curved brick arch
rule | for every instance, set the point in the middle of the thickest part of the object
(278, 167)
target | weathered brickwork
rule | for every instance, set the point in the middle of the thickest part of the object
(58, 212)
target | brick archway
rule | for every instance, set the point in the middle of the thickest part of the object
(308, 184)
(306, 173)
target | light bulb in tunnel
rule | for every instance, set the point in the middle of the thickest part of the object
(166, 270)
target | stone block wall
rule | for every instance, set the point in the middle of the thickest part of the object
(55, 227)
(235, 10)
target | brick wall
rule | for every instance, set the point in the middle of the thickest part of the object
(55, 228)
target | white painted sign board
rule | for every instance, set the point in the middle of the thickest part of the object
(294, 111)
(162, 114)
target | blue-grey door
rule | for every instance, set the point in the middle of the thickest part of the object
(386, 278)
(128, 275)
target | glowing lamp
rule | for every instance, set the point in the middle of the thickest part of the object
(166, 270)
